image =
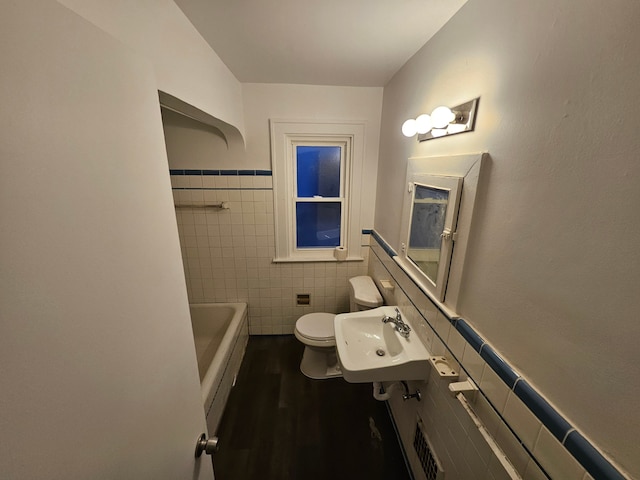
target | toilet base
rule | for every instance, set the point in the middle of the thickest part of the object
(320, 363)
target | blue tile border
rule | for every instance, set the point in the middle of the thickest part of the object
(580, 448)
(556, 424)
(257, 173)
(497, 363)
(593, 462)
(385, 246)
(469, 335)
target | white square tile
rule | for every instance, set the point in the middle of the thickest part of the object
(522, 421)
(208, 181)
(555, 459)
(473, 363)
(201, 230)
(533, 472)
(179, 181)
(259, 181)
(224, 218)
(223, 195)
(209, 196)
(248, 207)
(195, 181)
(512, 448)
(213, 230)
(246, 181)
(456, 343)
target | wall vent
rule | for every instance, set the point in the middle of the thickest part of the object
(430, 464)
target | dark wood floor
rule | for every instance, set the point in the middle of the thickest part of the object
(279, 424)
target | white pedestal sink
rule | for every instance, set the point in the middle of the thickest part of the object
(372, 351)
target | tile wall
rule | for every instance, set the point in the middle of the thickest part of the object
(537, 440)
(227, 253)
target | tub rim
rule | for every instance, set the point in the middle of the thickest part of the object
(213, 376)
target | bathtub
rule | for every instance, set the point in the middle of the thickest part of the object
(220, 332)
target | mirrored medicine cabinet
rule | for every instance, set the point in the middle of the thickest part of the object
(436, 220)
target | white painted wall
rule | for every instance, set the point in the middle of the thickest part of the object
(98, 375)
(192, 144)
(185, 65)
(311, 102)
(553, 267)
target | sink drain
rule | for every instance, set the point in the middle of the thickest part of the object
(380, 352)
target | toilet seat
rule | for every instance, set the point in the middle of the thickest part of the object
(316, 329)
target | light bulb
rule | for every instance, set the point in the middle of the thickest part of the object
(456, 127)
(409, 128)
(441, 116)
(438, 132)
(423, 123)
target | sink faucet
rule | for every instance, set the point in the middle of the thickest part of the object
(402, 328)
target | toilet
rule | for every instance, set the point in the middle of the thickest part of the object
(316, 330)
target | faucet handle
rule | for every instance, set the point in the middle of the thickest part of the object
(403, 329)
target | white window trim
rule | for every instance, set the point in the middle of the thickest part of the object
(285, 134)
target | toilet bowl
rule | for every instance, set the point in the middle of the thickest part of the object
(316, 330)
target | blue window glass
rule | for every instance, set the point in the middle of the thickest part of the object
(318, 171)
(318, 224)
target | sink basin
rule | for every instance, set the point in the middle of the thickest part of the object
(372, 351)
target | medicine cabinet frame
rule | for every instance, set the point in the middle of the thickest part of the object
(433, 215)
(443, 172)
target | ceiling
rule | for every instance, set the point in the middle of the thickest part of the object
(317, 42)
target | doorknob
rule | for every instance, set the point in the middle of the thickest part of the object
(208, 446)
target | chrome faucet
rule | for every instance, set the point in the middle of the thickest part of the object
(402, 328)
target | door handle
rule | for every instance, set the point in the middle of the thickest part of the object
(206, 445)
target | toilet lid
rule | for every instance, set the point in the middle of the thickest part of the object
(316, 326)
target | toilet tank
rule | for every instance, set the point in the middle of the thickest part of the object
(363, 294)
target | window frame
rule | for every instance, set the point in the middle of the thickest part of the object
(285, 136)
(341, 198)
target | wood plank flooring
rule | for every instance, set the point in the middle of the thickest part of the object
(279, 424)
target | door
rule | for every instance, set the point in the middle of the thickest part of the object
(98, 375)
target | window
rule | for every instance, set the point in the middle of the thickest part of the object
(317, 170)
(319, 195)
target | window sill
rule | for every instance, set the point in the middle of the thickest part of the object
(311, 259)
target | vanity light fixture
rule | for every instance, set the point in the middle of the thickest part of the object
(443, 121)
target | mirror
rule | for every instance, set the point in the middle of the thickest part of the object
(431, 224)
(427, 227)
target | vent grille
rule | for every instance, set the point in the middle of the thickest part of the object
(430, 464)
